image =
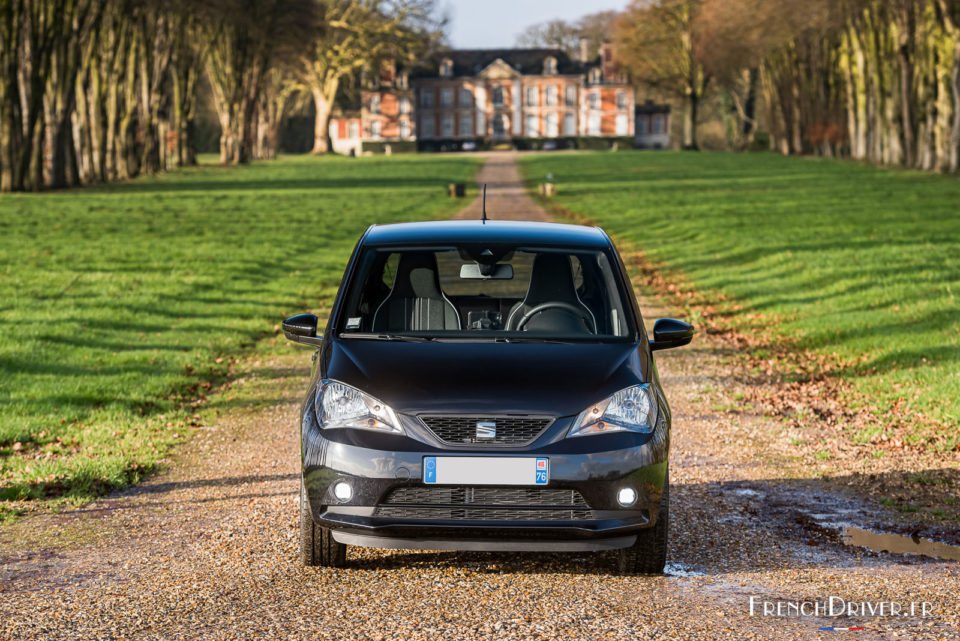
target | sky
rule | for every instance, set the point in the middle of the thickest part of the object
(487, 24)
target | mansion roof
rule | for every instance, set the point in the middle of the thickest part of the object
(470, 62)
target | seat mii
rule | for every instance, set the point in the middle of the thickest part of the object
(485, 386)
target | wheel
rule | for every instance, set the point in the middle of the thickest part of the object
(649, 554)
(317, 546)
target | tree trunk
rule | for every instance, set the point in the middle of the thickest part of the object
(750, 107)
(905, 22)
(796, 114)
(322, 143)
(859, 143)
(954, 163)
(190, 142)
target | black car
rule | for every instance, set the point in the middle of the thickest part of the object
(485, 386)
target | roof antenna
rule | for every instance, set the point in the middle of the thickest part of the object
(484, 219)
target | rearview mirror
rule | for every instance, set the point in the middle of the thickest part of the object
(669, 332)
(476, 271)
(302, 328)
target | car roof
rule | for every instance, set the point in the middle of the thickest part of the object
(492, 231)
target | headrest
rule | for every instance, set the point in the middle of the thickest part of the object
(551, 280)
(417, 276)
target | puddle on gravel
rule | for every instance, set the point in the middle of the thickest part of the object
(681, 570)
(899, 544)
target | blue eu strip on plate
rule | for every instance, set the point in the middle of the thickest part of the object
(486, 470)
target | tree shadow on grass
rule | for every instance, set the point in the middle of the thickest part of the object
(385, 184)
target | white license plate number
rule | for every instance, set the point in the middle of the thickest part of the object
(485, 470)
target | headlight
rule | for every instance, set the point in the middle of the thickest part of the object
(633, 409)
(339, 405)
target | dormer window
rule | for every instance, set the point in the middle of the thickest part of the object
(402, 81)
(446, 68)
(595, 76)
(550, 66)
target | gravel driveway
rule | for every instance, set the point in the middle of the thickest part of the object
(209, 550)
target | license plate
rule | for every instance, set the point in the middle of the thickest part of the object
(485, 470)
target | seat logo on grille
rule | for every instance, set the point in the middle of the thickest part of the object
(486, 429)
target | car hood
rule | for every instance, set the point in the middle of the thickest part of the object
(558, 379)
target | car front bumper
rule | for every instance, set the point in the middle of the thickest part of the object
(376, 464)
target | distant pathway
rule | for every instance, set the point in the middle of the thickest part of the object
(506, 197)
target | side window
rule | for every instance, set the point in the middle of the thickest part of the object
(615, 312)
(577, 272)
(390, 270)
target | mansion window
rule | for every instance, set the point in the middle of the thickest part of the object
(374, 104)
(621, 100)
(427, 127)
(404, 128)
(623, 127)
(446, 126)
(595, 76)
(533, 128)
(551, 96)
(552, 125)
(550, 66)
(569, 124)
(532, 96)
(465, 124)
(570, 94)
(498, 96)
(426, 98)
(446, 68)
(353, 129)
(446, 97)
(466, 97)
(659, 125)
(594, 99)
(643, 124)
(404, 105)
(499, 127)
(403, 81)
(593, 125)
(375, 129)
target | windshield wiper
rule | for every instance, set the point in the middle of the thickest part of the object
(531, 339)
(388, 337)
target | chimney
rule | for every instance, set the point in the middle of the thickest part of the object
(584, 45)
(607, 63)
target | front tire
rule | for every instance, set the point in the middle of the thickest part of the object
(649, 554)
(317, 546)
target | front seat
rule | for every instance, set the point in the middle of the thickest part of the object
(551, 281)
(416, 302)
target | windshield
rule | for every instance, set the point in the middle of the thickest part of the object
(484, 293)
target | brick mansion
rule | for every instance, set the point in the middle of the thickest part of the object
(500, 98)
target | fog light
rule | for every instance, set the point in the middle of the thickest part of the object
(627, 496)
(342, 491)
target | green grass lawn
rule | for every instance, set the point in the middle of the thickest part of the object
(841, 257)
(120, 303)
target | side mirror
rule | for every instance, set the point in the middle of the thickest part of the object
(668, 332)
(302, 328)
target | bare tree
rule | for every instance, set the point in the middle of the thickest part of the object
(243, 36)
(660, 44)
(595, 28)
(357, 34)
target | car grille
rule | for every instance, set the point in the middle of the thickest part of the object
(481, 513)
(462, 430)
(485, 504)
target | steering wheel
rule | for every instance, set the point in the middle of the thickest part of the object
(591, 323)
